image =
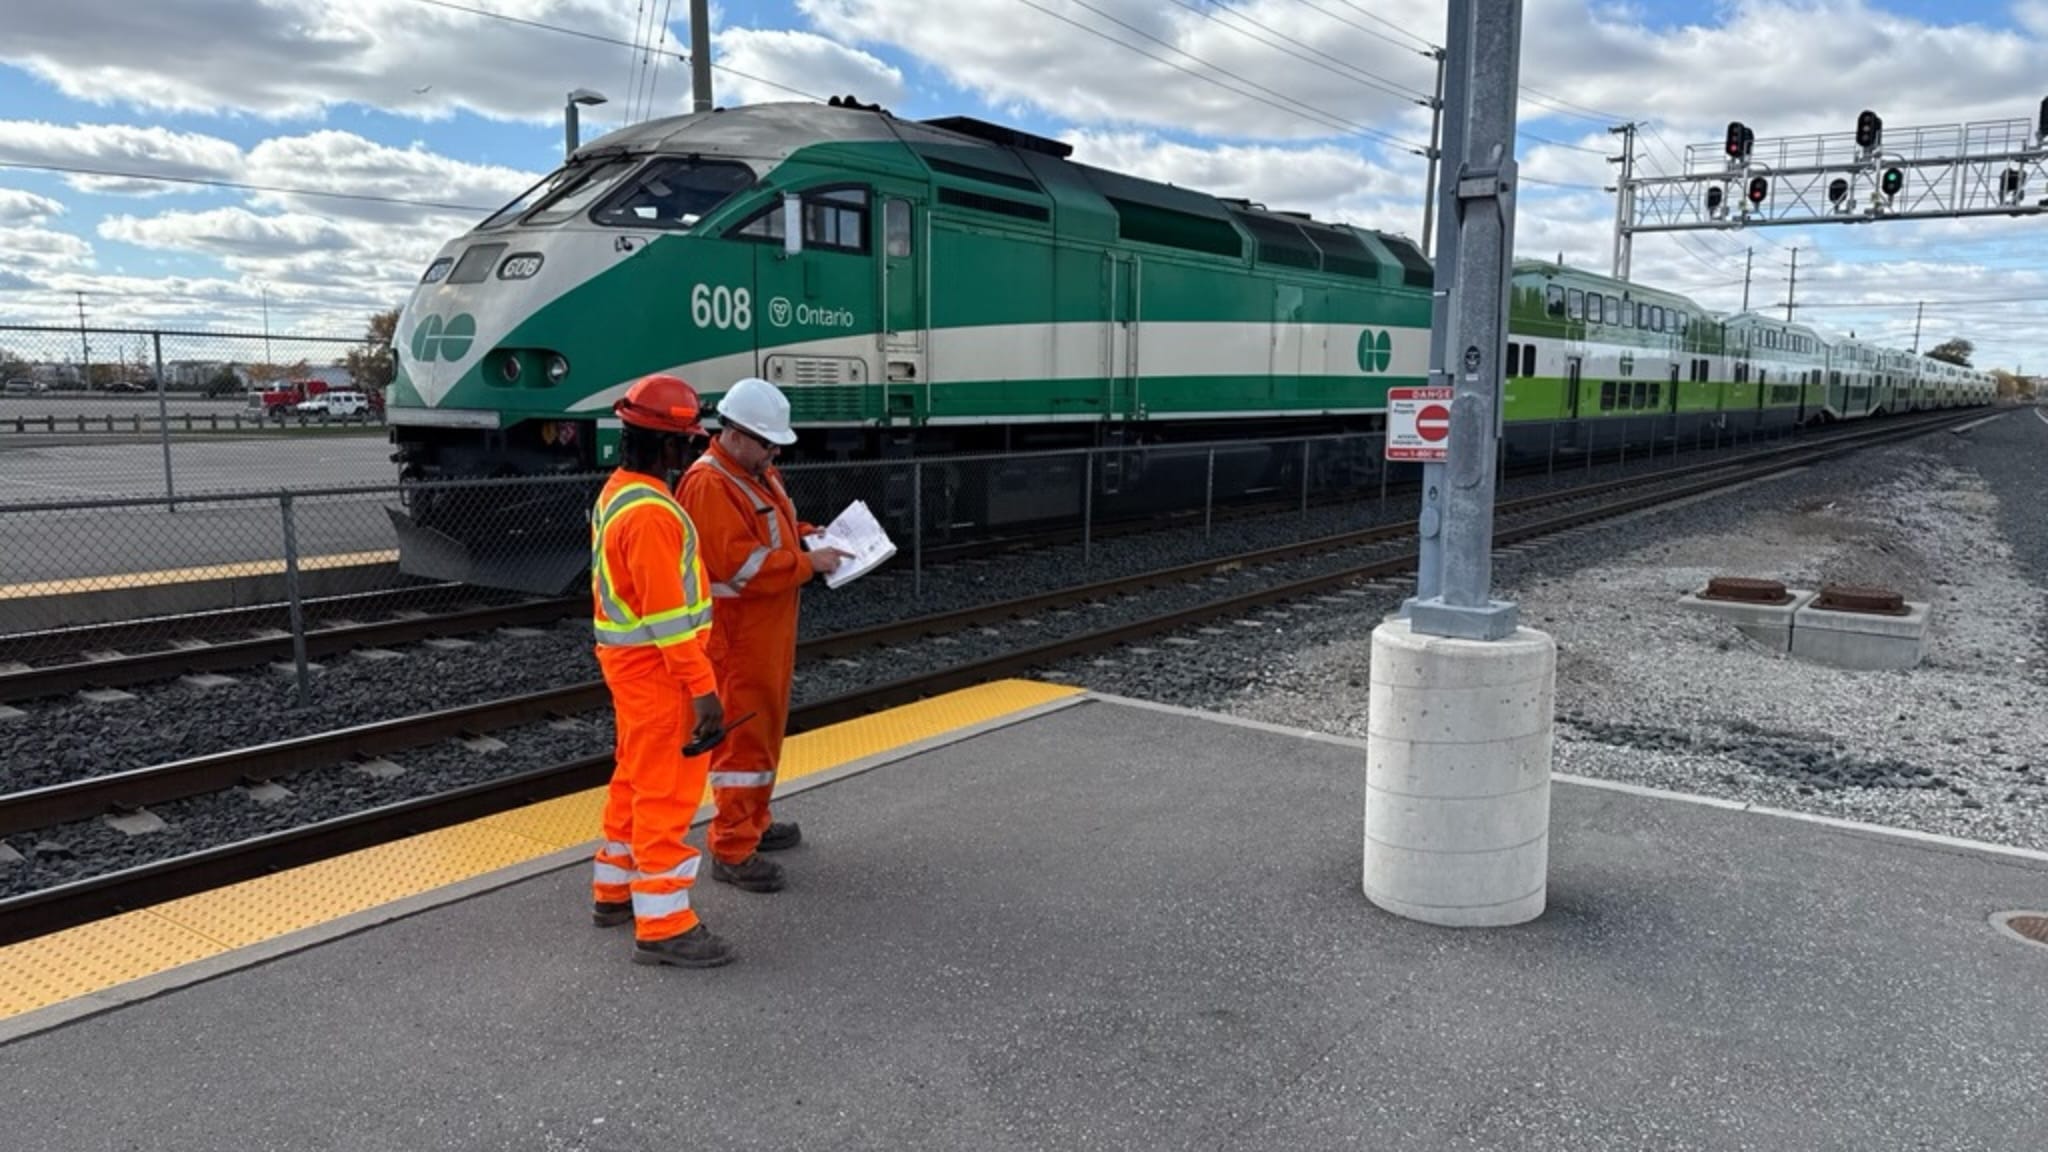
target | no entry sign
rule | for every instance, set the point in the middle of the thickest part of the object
(1418, 423)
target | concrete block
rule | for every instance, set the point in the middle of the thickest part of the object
(101, 655)
(483, 743)
(522, 633)
(380, 769)
(1457, 776)
(105, 696)
(267, 793)
(449, 643)
(377, 654)
(1858, 640)
(10, 667)
(190, 644)
(1768, 624)
(206, 681)
(140, 822)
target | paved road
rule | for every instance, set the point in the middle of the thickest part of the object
(35, 471)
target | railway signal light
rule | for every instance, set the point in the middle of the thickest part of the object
(1869, 131)
(1838, 194)
(1894, 179)
(1715, 197)
(2044, 120)
(1740, 140)
(2012, 186)
(1758, 189)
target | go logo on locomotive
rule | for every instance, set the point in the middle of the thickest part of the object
(436, 339)
(1375, 350)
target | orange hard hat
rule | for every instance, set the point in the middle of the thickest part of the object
(661, 404)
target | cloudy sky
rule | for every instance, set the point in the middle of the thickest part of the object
(179, 160)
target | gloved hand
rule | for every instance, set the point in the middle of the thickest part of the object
(710, 716)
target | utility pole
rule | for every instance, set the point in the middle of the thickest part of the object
(1748, 261)
(1624, 242)
(1455, 82)
(84, 347)
(1792, 289)
(1436, 152)
(1919, 313)
(1457, 761)
(700, 55)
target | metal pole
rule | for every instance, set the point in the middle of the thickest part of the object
(1918, 314)
(572, 130)
(1485, 206)
(1624, 240)
(1748, 259)
(291, 587)
(1304, 478)
(1087, 504)
(1429, 525)
(1209, 497)
(163, 419)
(917, 529)
(1792, 289)
(1436, 133)
(700, 55)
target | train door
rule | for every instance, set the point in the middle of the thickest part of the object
(1574, 368)
(814, 312)
(1671, 401)
(905, 312)
(1123, 285)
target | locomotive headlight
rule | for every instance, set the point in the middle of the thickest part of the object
(558, 367)
(508, 367)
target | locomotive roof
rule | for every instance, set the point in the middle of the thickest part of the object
(770, 131)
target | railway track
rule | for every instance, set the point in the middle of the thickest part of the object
(1380, 557)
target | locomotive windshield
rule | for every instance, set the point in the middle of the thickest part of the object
(674, 192)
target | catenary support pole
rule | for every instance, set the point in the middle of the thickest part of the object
(1436, 153)
(1429, 541)
(1458, 731)
(700, 55)
(1624, 240)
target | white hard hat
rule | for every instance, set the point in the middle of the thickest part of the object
(760, 408)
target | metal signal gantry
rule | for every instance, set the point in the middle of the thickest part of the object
(1952, 171)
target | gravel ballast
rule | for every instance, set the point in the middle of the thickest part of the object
(1651, 694)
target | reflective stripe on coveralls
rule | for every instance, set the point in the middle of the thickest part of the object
(752, 551)
(650, 609)
(759, 556)
(617, 625)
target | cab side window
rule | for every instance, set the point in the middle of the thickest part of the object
(835, 219)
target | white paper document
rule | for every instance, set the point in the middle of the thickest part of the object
(857, 534)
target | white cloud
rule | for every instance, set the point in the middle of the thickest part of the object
(331, 161)
(230, 232)
(119, 148)
(298, 58)
(18, 207)
(803, 61)
(1329, 181)
(43, 249)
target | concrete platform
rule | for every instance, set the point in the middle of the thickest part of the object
(1112, 926)
(1860, 640)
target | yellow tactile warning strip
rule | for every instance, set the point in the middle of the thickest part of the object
(74, 584)
(95, 957)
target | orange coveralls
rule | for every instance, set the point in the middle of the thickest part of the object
(753, 551)
(650, 609)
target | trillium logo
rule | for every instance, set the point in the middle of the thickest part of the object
(1375, 351)
(778, 311)
(436, 339)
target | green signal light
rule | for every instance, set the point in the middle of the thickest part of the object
(1893, 181)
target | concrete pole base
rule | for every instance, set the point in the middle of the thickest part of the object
(1457, 776)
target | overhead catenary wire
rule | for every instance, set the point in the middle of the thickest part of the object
(599, 38)
(1316, 115)
(1350, 72)
(1427, 48)
(239, 185)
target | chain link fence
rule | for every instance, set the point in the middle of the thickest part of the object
(142, 573)
(100, 390)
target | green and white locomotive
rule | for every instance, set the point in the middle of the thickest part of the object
(923, 288)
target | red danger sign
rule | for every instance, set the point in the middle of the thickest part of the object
(1418, 423)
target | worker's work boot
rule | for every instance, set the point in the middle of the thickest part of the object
(753, 874)
(697, 948)
(606, 914)
(780, 837)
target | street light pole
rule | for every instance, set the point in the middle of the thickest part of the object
(571, 129)
(266, 325)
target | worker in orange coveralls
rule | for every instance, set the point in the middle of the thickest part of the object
(651, 608)
(753, 551)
